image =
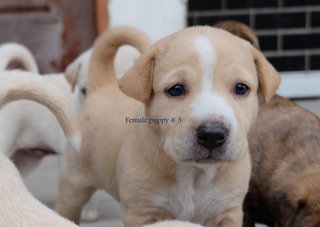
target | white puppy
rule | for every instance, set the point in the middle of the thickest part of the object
(174, 223)
(10, 52)
(31, 130)
(17, 206)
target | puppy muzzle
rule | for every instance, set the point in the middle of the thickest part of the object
(212, 135)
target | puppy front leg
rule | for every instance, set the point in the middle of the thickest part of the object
(139, 217)
(231, 218)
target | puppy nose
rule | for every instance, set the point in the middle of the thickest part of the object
(212, 135)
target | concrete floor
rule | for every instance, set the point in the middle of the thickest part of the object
(43, 184)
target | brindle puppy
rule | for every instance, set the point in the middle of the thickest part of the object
(285, 152)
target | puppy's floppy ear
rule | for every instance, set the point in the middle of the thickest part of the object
(269, 78)
(137, 82)
(72, 73)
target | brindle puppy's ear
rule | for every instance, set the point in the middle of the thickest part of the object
(241, 30)
(137, 82)
(269, 78)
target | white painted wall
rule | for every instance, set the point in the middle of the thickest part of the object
(157, 18)
(300, 84)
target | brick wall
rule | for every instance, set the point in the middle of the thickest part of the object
(288, 30)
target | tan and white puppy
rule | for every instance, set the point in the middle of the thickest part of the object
(15, 52)
(171, 142)
(17, 206)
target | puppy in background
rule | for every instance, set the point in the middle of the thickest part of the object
(285, 151)
(31, 131)
(17, 206)
(77, 75)
(11, 53)
(196, 169)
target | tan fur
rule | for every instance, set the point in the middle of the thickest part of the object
(243, 31)
(18, 207)
(103, 61)
(284, 146)
(139, 164)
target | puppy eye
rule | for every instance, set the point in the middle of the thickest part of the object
(176, 90)
(301, 204)
(84, 91)
(241, 89)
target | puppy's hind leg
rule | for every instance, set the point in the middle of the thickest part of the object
(71, 199)
(233, 217)
(75, 186)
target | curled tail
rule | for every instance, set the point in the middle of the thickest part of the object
(16, 52)
(17, 85)
(101, 69)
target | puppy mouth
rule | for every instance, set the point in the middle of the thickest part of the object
(204, 155)
(35, 152)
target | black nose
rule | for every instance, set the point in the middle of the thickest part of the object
(212, 135)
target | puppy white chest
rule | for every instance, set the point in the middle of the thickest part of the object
(194, 197)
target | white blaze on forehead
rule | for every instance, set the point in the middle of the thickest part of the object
(207, 57)
(209, 104)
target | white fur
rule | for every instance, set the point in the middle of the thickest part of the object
(18, 207)
(209, 103)
(125, 59)
(18, 52)
(173, 223)
(75, 141)
(207, 59)
(194, 197)
(30, 125)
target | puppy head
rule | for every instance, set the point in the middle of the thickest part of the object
(241, 30)
(208, 82)
(77, 72)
